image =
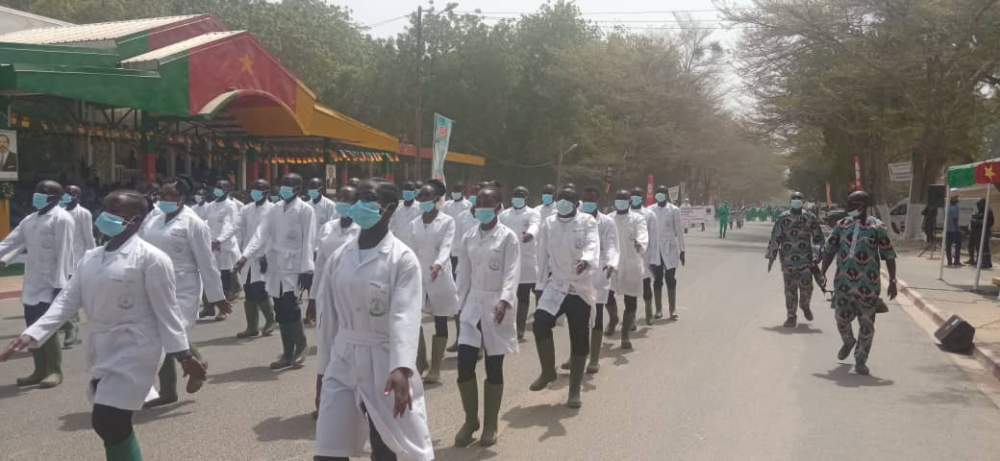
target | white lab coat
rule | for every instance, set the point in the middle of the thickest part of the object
(251, 217)
(287, 236)
(49, 241)
(608, 235)
(627, 280)
(544, 211)
(333, 236)
(561, 244)
(651, 252)
(128, 296)
(432, 244)
(455, 209)
(187, 241)
(83, 232)
(222, 220)
(369, 310)
(400, 220)
(325, 211)
(669, 235)
(488, 272)
(525, 222)
(201, 210)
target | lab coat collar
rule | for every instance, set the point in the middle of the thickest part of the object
(384, 246)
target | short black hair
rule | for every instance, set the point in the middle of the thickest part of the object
(438, 186)
(182, 184)
(135, 201)
(493, 191)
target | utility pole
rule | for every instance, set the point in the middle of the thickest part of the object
(420, 88)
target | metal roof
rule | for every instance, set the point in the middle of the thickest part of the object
(88, 32)
(179, 47)
(25, 14)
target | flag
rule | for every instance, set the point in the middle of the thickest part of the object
(442, 137)
(988, 172)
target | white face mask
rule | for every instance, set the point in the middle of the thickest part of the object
(854, 213)
(796, 203)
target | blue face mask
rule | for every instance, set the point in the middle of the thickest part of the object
(472, 200)
(409, 195)
(636, 200)
(109, 224)
(286, 192)
(426, 206)
(621, 205)
(485, 215)
(167, 207)
(218, 193)
(564, 207)
(588, 207)
(660, 197)
(456, 196)
(65, 200)
(343, 209)
(366, 214)
(198, 199)
(256, 195)
(39, 200)
(518, 202)
(547, 199)
(274, 198)
(313, 194)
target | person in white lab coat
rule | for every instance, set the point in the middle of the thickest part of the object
(332, 235)
(323, 208)
(83, 241)
(488, 274)
(222, 218)
(524, 221)
(150, 190)
(608, 233)
(638, 196)
(127, 290)
(287, 236)
(186, 239)
(463, 222)
(670, 250)
(200, 200)
(407, 210)
(454, 208)
(568, 254)
(274, 197)
(633, 239)
(548, 206)
(369, 303)
(47, 235)
(430, 235)
(255, 298)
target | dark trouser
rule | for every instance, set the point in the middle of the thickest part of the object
(34, 312)
(286, 308)
(953, 241)
(974, 244)
(227, 280)
(577, 315)
(987, 256)
(380, 452)
(113, 425)
(468, 356)
(631, 302)
(660, 275)
(647, 289)
(440, 326)
(454, 267)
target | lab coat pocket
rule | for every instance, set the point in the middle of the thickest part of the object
(579, 239)
(125, 290)
(378, 299)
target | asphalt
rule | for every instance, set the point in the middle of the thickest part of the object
(725, 382)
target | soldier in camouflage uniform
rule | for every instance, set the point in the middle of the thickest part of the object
(795, 233)
(859, 242)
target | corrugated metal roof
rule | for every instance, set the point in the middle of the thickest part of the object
(88, 32)
(180, 47)
(25, 14)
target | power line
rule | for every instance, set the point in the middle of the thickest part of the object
(387, 21)
(596, 13)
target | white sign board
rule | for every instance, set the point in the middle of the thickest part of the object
(8, 155)
(900, 172)
(675, 193)
(693, 215)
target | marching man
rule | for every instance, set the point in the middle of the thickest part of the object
(669, 250)
(795, 237)
(256, 300)
(524, 221)
(83, 241)
(633, 239)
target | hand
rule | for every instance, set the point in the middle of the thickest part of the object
(17, 345)
(435, 271)
(216, 245)
(500, 311)
(892, 291)
(239, 265)
(399, 384)
(770, 264)
(608, 270)
(192, 367)
(638, 247)
(263, 265)
(581, 267)
(311, 313)
(305, 281)
(527, 238)
(683, 263)
(224, 307)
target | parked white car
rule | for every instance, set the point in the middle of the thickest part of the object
(966, 206)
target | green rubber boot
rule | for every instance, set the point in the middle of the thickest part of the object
(72, 329)
(469, 391)
(268, 309)
(458, 327)
(168, 384)
(576, 380)
(522, 320)
(547, 359)
(301, 346)
(596, 340)
(53, 363)
(658, 299)
(612, 319)
(38, 355)
(565, 365)
(253, 319)
(438, 345)
(649, 311)
(195, 384)
(672, 301)
(287, 346)
(127, 450)
(422, 364)
(628, 319)
(492, 396)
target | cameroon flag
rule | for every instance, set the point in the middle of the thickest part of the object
(986, 172)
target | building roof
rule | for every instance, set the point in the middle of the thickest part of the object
(100, 32)
(179, 47)
(35, 17)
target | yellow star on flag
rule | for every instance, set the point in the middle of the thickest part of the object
(988, 172)
(246, 64)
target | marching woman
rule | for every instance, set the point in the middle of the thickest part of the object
(431, 236)
(186, 239)
(369, 302)
(488, 274)
(126, 289)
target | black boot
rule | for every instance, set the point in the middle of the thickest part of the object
(578, 362)
(672, 302)
(300, 345)
(522, 320)
(612, 320)
(627, 321)
(287, 346)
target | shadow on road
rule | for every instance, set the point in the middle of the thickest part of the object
(244, 375)
(800, 329)
(843, 377)
(472, 452)
(12, 391)
(301, 427)
(228, 340)
(952, 396)
(546, 415)
(81, 421)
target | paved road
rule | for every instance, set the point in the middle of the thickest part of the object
(726, 382)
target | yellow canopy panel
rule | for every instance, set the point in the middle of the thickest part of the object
(467, 159)
(332, 124)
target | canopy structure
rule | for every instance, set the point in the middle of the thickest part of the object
(978, 175)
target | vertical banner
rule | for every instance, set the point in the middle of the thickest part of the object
(649, 189)
(442, 136)
(857, 172)
(674, 193)
(829, 201)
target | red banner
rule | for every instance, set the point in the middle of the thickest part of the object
(649, 190)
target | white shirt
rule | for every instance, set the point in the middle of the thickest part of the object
(627, 279)
(49, 241)
(222, 221)
(455, 209)
(251, 217)
(325, 210)
(608, 234)
(400, 220)
(83, 232)
(544, 211)
(669, 234)
(333, 235)
(561, 244)
(525, 221)
(201, 210)
(287, 236)
(652, 255)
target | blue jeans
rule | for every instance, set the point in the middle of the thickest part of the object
(953, 241)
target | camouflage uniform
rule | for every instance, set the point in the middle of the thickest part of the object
(793, 238)
(860, 246)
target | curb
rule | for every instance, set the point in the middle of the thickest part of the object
(10, 295)
(989, 360)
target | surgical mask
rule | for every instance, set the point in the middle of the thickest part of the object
(39, 200)
(660, 197)
(274, 198)
(167, 207)
(65, 200)
(313, 193)
(456, 195)
(485, 215)
(198, 198)
(518, 202)
(343, 209)
(427, 206)
(109, 224)
(636, 200)
(621, 205)
(286, 192)
(366, 214)
(547, 199)
(472, 200)
(588, 207)
(256, 195)
(795, 203)
(854, 213)
(218, 193)
(564, 207)
(409, 195)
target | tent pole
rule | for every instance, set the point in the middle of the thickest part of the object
(982, 238)
(947, 199)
